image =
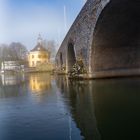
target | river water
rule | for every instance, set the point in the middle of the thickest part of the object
(45, 107)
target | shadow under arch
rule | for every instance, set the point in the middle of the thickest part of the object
(61, 59)
(116, 39)
(71, 58)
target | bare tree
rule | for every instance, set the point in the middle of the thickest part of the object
(50, 45)
(13, 52)
(19, 50)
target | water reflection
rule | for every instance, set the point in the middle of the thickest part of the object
(11, 79)
(81, 105)
(117, 104)
(68, 110)
(104, 109)
(10, 85)
(24, 118)
(40, 82)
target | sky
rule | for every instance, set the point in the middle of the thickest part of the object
(22, 20)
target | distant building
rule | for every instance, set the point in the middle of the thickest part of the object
(10, 66)
(39, 55)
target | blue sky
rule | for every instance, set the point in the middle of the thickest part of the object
(23, 20)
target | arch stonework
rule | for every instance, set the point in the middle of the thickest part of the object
(116, 44)
(106, 32)
(61, 59)
(71, 56)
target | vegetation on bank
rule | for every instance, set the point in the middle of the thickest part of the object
(48, 67)
(16, 51)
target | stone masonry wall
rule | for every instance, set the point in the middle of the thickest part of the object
(81, 34)
(105, 35)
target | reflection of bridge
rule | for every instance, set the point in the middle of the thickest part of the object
(106, 109)
(105, 35)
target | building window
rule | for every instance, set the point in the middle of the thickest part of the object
(38, 48)
(32, 56)
(33, 63)
(38, 62)
(39, 56)
(45, 56)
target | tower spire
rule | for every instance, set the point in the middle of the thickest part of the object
(39, 39)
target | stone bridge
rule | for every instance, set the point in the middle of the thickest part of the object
(106, 36)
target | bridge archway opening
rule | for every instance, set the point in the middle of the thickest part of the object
(71, 56)
(116, 39)
(61, 60)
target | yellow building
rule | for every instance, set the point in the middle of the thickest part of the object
(39, 55)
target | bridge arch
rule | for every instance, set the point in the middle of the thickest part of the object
(61, 60)
(116, 39)
(71, 57)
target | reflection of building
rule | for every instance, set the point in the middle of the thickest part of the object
(40, 82)
(39, 55)
(12, 85)
(10, 80)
